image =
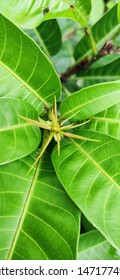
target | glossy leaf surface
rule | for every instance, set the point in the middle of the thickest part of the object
(27, 64)
(37, 218)
(110, 26)
(90, 101)
(17, 137)
(93, 246)
(90, 173)
(29, 14)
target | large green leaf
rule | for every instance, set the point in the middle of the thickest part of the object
(110, 26)
(90, 173)
(11, 87)
(90, 101)
(93, 246)
(37, 219)
(107, 122)
(22, 58)
(52, 40)
(30, 13)
(108, 72)
(17, 137)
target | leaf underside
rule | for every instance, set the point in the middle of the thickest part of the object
(30, 15)
(17, 137)
(89, 173)
(38, 221)
(93, 246)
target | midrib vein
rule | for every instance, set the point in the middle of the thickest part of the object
(16, 126)
(91, 101)
(96, 164)
(24, 212)
(24, 83)
(106, 119)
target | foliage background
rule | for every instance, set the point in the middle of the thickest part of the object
(67, 207)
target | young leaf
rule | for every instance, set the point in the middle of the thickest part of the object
(110, 26)
(93, 246)
(38, 221)
(17, 137)
(90, 101)
(89, 171)
(29, 14)
(27, 63)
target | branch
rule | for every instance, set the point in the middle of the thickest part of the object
(74, 69)
(85, 64)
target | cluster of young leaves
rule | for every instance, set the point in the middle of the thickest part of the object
(42, 205)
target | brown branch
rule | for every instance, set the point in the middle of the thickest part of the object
(108, 48)
(74, 69)
(105, 3)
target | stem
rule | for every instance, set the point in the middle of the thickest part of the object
(93, 44)
(74, 69)
(43, 148)
(66, 91)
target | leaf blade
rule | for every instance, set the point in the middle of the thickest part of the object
(91, 100)
(93, 184)
(107, 122)
(109, 72)
(53, 39)
(93, 246)
(111, 26)
(38, 222)
(28, 65)
(17, 137)
(31, 14)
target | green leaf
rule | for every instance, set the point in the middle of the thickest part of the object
(90, 174)
(105, 60)
(96, 13)
(109, 72)
(38, 221)
(10, 86)
(86, 225)
(52, 40)
(118, 11)
(93, 246)
(27, 63)
(17, 137)
(29, 14)
(107, 122)
(110, 26)
(90, 101)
